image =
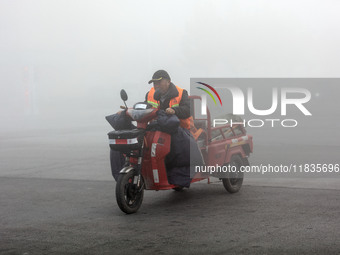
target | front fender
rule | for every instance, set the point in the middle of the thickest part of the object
(126, 169)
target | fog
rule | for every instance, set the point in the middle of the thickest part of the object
(63, 63)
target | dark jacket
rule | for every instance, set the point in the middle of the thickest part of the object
(183, 110)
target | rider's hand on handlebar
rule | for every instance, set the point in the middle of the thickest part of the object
(170, 111)
(124, 110)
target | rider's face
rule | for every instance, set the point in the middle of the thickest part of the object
(162, 85)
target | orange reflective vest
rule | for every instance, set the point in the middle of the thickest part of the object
(174, 102)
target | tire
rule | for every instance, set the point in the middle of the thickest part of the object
(234, 181)
(127, 198)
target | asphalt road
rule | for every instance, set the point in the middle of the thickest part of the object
(42, 216)
(57, 197)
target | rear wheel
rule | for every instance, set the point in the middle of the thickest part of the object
(235, 179)
(129, 197)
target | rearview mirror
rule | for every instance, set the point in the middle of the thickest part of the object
(123, 95)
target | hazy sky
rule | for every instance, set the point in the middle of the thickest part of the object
(71, 58)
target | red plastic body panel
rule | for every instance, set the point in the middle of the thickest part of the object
(156, 147)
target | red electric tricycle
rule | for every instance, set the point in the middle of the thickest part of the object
(145, 153)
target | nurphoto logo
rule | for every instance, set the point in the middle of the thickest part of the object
(282, 97)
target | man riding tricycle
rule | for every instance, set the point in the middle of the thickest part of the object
(164, 152)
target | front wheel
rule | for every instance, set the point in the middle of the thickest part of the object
(129, 197)
(235, 179)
